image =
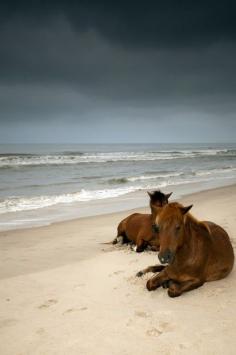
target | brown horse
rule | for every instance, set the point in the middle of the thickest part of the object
(196, 252)
(139, 228)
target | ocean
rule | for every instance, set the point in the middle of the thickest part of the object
(43, 183)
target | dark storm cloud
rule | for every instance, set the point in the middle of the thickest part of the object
(136, 23)
(87, 64)
(55, 56)
(120, 48)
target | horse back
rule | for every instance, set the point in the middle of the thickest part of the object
(135, 225)
(221, 255)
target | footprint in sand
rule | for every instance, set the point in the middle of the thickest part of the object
(129, 323)
(183, 346)
(7, 322)
(163, 327)
(154, 332)
(48, 303)
(79, 285)
(166, 326)
(116, 273)
(142, 314)
(133, 261)
(40, 331)
(133, 280)
(71, 310)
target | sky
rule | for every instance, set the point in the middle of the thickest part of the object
(117, 71)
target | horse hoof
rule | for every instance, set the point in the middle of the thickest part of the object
(139, 274)
(166, 284)
(134, 247)
(149, 286)
(172, 293)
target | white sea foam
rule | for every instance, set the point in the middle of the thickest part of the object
(14, 204)
(172, 175)
(153, 177)
(24, 160)
(215, 171)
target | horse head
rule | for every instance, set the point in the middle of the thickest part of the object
(157, 199)
(170, 224)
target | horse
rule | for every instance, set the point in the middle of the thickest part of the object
(195, 251)
(139, 228)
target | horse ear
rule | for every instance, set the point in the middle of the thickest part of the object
(168, 195)
(185, 209)
(150, 193)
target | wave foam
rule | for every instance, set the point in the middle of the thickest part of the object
(153, 177)
(14, 204)
(67, 158)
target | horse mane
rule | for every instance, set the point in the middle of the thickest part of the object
(193, 221)
(157, 196)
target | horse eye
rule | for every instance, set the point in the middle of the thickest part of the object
(177, 227)
(155, 228)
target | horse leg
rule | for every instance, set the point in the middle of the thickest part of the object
(157, 280)
(176, 289)
(154, 269)
(154, 248)
(141, 244)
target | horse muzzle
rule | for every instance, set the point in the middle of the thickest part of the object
(166, 257)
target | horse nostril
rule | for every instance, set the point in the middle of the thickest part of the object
(162, 258)
(155, 228)
(166, 257)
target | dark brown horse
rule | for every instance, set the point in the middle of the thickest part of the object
(196, 252)
(139, 228)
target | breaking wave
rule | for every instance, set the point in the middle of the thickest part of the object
(70, 158)
(14, 204)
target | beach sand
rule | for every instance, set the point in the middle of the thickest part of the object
(63, 292)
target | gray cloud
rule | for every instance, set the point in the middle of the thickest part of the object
(136, 23)
(76, 69)
(86, 63)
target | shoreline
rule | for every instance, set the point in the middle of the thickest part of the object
(76, 227)
(135, 200)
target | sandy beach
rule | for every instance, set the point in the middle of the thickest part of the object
(63, 292)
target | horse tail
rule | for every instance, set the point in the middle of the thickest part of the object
(121, 236)
(120, 233)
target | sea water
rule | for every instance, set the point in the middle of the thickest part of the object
(43, 183)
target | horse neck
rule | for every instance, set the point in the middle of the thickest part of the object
(190, 224)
